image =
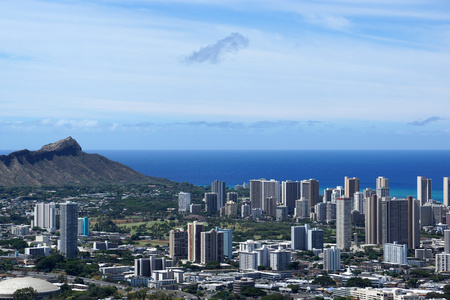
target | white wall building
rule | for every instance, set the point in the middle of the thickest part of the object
(184, 202)
(395, 253)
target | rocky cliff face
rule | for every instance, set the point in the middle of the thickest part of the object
(64, 163)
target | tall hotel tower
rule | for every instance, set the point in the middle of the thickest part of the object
(343, 222)
(382, 187)
(423, 189)
(446, 189)
(69, 229)
(290, 191)
(219, 188)
(351, 185)
(194, 241)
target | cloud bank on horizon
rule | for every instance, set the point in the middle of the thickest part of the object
(267, 75)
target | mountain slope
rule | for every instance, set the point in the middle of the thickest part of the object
(64, 163)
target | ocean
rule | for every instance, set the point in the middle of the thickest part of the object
(328, 166)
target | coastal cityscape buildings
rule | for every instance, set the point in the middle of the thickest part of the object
(395, 231)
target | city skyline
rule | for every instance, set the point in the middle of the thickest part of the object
(240, 75)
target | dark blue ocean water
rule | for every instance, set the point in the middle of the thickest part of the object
(329, 167)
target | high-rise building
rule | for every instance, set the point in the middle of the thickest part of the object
(69, 229)
(351, 185)
(290, 191)
(211, 202)
(281, 212)
(331, 211)
(310, 191)
(315, 239)
(442, 262)
(256, 193)
(270, 204)
(447, 241)
(45, 216)
(359, 201)
(302, 208)
(231, 209)
(343, 222)
(413, 223)
(321, 211)
(211, 246)
(382, 187)
(270, 188)
(246, 210)
(194, 241)
(446, 190)
(395, 253)
(279, 259)
(227, 241)
(327, 194)
(83, 226)
(178, 244)
(368, 192)
(423, 189)
(337, 192)
(219, 188)
(299, 237)
(332, 259)
(373, 220)
(232, 196)
(394, 220)
(304, 238)
(184, 202)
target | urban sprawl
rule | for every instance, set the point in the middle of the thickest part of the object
(262, 239)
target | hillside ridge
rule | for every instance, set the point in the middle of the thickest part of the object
(64, 163)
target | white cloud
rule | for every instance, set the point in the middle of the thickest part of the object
(329, 21)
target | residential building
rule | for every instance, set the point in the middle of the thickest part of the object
(212, 246)
(227, 241)
(178, 244)
(69, 229)
(184, 202)
(442, 262)
(332, 259)
(382, 187)
(45, 216)
(395, 253)
(290, 191)
(211, 202)
(343, 222)
(83, 226)
(194, 241)
(423, 189)
(446, 191)
(219, 188)
(351, 185)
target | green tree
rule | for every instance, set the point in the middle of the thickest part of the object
(213, 265)
(276, 297)
(324, 280)
(28, 293)
(7, 265)
(249, 291)
(294, 287)
(358, 282)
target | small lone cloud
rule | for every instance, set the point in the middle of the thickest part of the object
(214, 53)
(426, 121)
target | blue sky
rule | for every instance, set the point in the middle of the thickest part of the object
(197, 74)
